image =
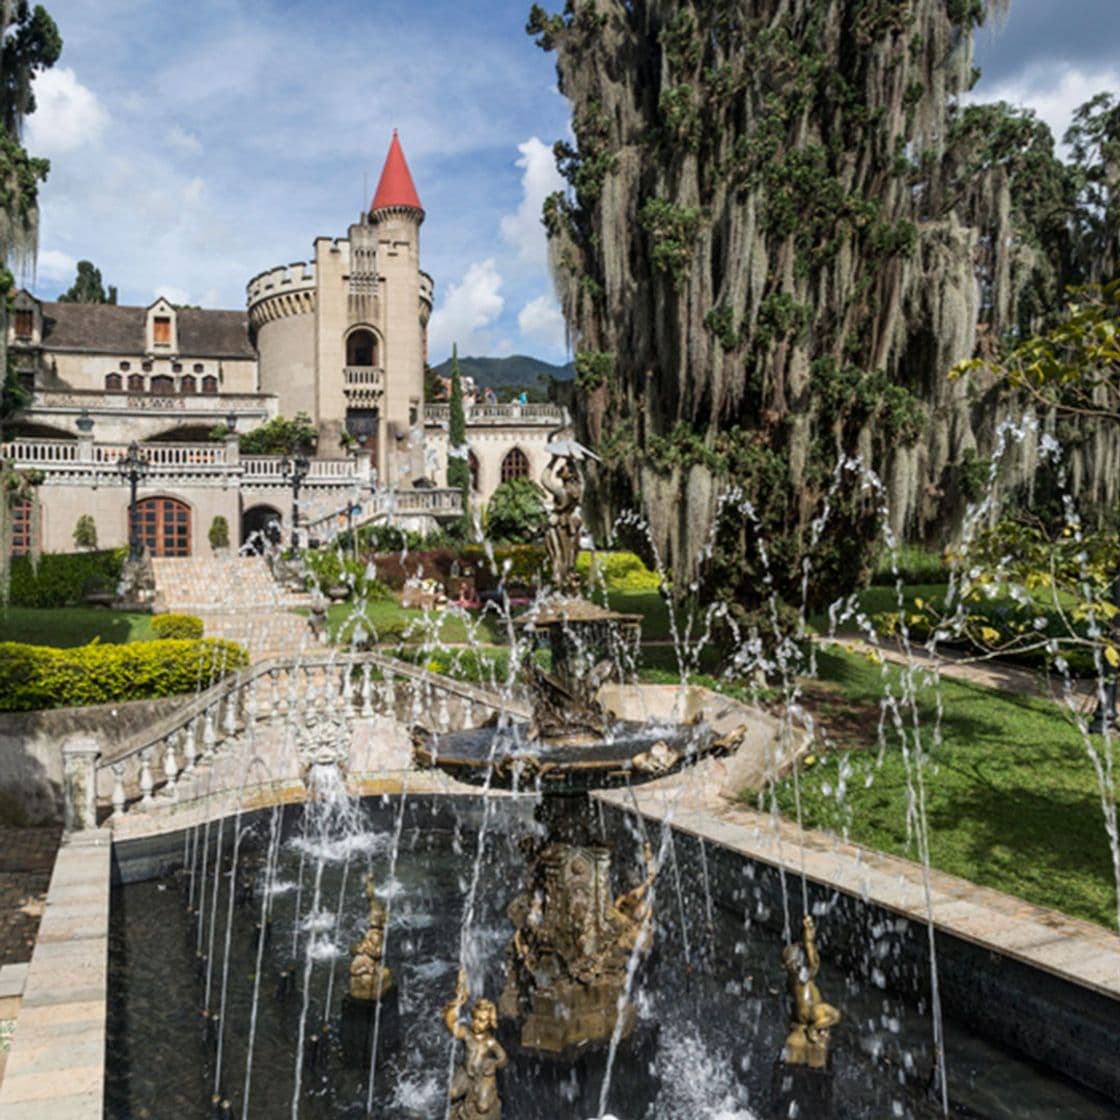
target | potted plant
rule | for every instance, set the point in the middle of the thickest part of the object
(219, 534)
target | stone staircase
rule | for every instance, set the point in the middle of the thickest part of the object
(236, 598)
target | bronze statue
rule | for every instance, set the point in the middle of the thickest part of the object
(369, 978)
(813, 1019)
(474, 1086)
(561, 479)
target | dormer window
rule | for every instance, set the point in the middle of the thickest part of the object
(161, 331)
(24, 323)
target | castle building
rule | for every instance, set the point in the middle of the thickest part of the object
(341, 337)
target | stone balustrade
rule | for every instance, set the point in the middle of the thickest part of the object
(163, 764)
(438, 502)
(548, 414)
(70, 459)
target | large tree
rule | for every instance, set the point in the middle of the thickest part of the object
(87, 287)
(767, 255)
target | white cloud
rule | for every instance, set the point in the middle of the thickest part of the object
(468, 308)
(67, 114)
(541, 321)
(1052, 92)
(523, 229)
(192, 191)
(184, 142)
(53, 264)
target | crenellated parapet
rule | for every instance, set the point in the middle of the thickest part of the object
(281, 292)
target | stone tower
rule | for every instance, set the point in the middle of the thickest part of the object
(344, 336)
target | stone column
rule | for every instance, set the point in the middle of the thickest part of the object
(79, 778)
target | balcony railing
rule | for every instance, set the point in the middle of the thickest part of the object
(498, 414)
(368, 378)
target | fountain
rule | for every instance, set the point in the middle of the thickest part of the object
(615, 968)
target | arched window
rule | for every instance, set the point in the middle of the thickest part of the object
(515, 465)
(112, 382)
(209, 384)
(162, 384)
(188, 384)
(472, 466)
(164, 525)
(22, 527)
(361, 348)
(135, 382)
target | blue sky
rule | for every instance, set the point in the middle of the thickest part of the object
(194, 145)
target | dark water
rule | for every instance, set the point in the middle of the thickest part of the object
(713, 993)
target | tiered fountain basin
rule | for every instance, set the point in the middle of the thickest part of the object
(713, 989)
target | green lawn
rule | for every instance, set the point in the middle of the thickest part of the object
(1012, 797)
(72, 626)
(390, 623)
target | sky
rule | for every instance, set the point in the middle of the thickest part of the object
(195, 145)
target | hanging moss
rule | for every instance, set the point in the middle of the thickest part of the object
(774, 225)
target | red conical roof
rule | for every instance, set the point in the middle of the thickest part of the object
(395, 187)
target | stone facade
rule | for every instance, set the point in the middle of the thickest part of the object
(341, 337)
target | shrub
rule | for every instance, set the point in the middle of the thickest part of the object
(34, 677)
(618, 571)
(516, 511)
(526, 563)
(329, 567)
(394, 569)
(62, 578)
(173, 626)
(85, 532)
(219, 533)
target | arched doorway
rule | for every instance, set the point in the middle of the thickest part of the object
(164, 526)
(260, 525)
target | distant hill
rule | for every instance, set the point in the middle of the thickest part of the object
(517, 370)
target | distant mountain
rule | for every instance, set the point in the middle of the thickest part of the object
(517, 370)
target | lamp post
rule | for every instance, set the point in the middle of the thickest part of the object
(134, 467)
(1105, 716)
(294, 471)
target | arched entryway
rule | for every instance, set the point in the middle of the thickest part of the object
(164, 526)
(361, 348)
(260, 525)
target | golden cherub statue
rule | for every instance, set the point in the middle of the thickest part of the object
(629, 913)
(369, 978)
(474, 1088)
(813, 1019)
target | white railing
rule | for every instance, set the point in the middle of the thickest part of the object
(162, 455)
(498, 413)
(363, 377)
(435, 502)
(40, 452)
(160, 764)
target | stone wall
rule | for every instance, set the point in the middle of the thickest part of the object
(31, 748)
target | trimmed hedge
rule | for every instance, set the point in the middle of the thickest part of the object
(61, 579)
(619, 571)
(169, 626)
(33, 677)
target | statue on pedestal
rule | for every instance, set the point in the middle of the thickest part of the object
(813, 1019)
(474, 1086)
(369, 978)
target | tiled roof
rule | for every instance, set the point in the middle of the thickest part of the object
(395, 187)
(105, 329)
